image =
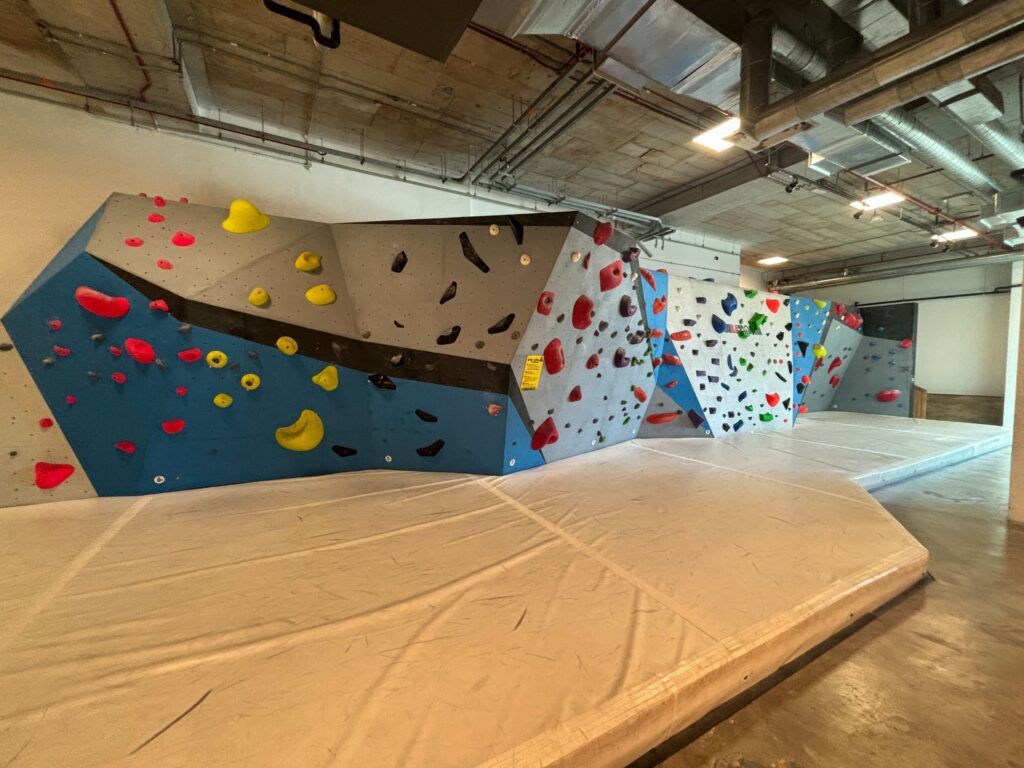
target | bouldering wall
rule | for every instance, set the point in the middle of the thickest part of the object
(172, 346)
(882, 378)
(832, 357)
(810, 319)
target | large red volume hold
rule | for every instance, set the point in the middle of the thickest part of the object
(582, 312)
(140, 351)
(554, 357)
(545, 434)
(51, 475)
(545, 303)
(603, 232)
(888, 395)
(662, 418)
(100, 304)
(611, 276)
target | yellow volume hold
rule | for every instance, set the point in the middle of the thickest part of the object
(244, 217)
(304, 435)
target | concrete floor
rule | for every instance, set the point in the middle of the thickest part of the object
(937, 679)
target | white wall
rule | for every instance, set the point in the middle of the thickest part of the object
(961, 342)
(60, 164)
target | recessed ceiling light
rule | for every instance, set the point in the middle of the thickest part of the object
(957, 234)
(715, 138)
(878, 201)
(769, 261)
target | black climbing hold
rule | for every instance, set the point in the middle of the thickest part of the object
(431, 450)
(449, 292)
(424, 416)
(449, 336)
(399, 262)
(398, 324)
(803, 347)
(253, 355)
(517, 230)
(344, 451)
(381, 381)
(471, 255)
(6, 347)
(502, 325)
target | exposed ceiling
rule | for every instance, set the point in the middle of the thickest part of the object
(234, 61)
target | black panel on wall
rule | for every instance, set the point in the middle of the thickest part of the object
(890, 321)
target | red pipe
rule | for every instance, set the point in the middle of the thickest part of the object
(131, 44)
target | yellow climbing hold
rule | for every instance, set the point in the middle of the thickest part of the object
(821, 303)
(304, 435)
(222, 400)
(819, 351)
(216, 359)
(321, 295)
(250, 381)
(327, 378)
(244, 217)
(259, 297)
(307, 261)
(288, 345)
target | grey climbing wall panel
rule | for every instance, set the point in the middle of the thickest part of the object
(841, 343)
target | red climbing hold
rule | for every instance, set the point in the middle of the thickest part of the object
(639, 394)
(662, 418)
(582, 312)
(159, 305)
(593, 361)
(140, 351)
(660, 304)
(133, 242)
(836, 362)
(655, 362)
(657, 333)
(611, 276)
(159, 201)
(671, 359)
(70, 399)
(670, 384)
(190, 355)
(853, 321)
(681, 336)
(182, 199)
(834, 381)
(840, 309)
(173, 426)
(183, 239)
(46, 423)
(646, 274)
(164, 264)
(51, 475)
(125, 446)
(603, 232)
(554, 357)
(100, 304)
(888, 395)
(772, 398)
(118, 377)
(115, 351)
(773, 305)
(61, 351)
(156, 218)
(805, 379)
(906, 344)
(576, 394)
(181, 391)
(545, 303)
(802, 409)
(545, 434)
(54, 325)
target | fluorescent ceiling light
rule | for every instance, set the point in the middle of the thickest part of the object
(878, 201)
(957, 234)
(769, 261)
(715, 138)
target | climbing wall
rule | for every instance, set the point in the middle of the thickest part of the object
(881, 377)
(810, 318)
(833, 357)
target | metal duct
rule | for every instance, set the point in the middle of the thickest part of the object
(799, 57)
(1004, 144)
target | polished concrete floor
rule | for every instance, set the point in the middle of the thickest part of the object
(935, 680)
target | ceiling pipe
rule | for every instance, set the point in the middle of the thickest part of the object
(972, 24)
(984, 59)
(755, 66)
(1003, 144)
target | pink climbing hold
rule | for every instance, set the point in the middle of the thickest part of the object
(46, 423)
(159, 305)
(772, 398)
(173, 426)
(576, 394)
(190, 355)
(603, 232)
(554, 356)
(55, 324)
(115, 351)
(906, 343)
(611, 276)
(140, 351)
(159, 201)
(582, 312)
(593, 361)
(70, 399)
(545, 434)
(125, 446)
(118, 377)
(183, 239)
(61, 351)
(888, 395)
(133, 242)
(545, 303)
(181, 391)
(835, 364)
(100, 304)
(773, 305)
(49, 475)
(156, 218)
(164, 264)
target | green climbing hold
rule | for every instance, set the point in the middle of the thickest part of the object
(766, 417)
(757, 321)
(750, 294)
